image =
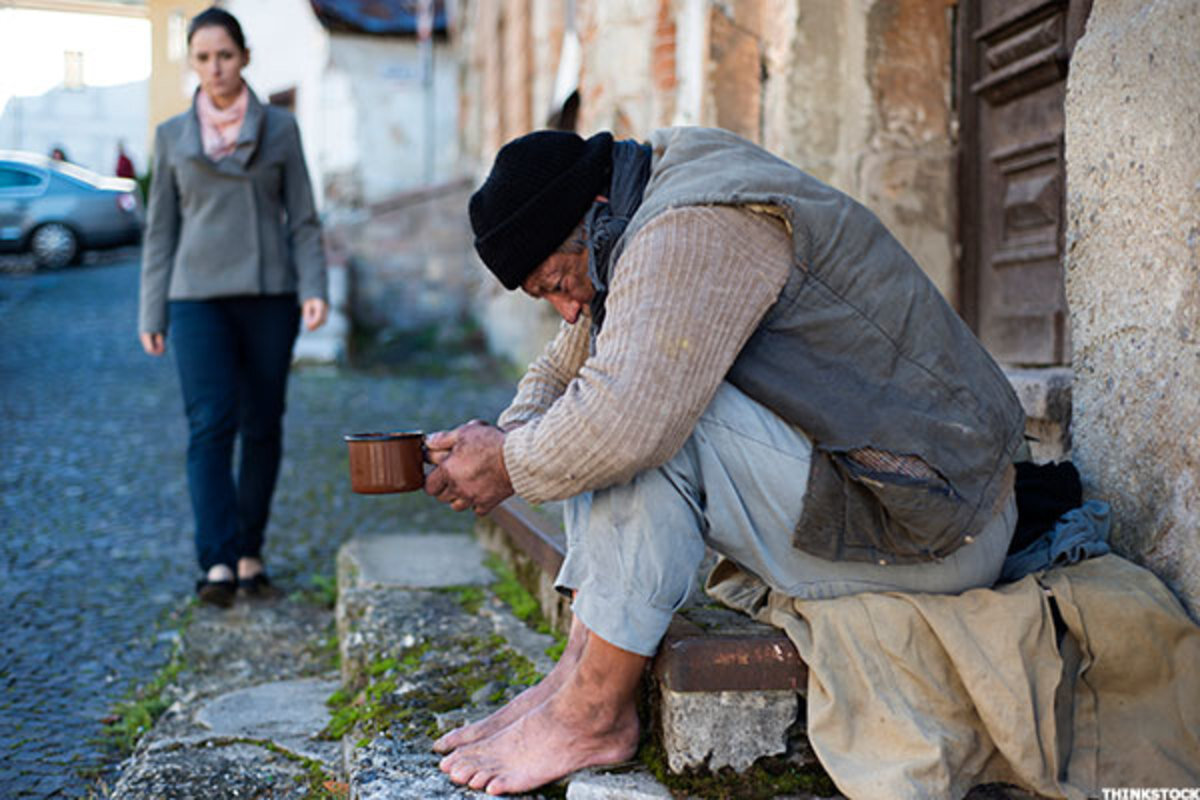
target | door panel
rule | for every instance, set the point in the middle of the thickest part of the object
(1012, 76)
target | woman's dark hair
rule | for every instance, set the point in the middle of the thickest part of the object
(220, 18)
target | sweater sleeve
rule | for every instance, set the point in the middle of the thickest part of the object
(684, 297)
(547, 377)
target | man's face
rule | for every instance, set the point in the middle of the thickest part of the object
(562, 280)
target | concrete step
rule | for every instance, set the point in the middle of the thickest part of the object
(425, 646)
(246, 712)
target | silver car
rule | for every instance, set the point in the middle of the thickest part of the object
(58, 210)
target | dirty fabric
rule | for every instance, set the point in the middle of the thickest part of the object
(924, 696)
(1080, 533)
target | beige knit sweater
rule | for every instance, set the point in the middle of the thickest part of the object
(685, 295)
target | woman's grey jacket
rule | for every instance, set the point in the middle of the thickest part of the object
(244, 225)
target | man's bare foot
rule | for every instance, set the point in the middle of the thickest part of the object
(590, 720)
(523, 703)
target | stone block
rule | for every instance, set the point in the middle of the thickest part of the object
(592, 785)
(537, 581)
(725, 729)
(1045, 395)
(412, 560)
(1133, 278)
(288, 713)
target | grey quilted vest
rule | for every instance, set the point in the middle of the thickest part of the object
(859, 350)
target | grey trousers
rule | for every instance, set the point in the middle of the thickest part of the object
(736, 485)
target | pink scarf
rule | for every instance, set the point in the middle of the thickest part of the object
(219, 127)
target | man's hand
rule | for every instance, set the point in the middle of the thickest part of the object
(470, 467)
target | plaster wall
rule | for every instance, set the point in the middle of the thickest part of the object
(391, 136)
(855, 91)
(171, 81)
(615, 78)
(412, 262)
(1133, 277)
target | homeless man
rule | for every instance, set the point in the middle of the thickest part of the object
(748, 360)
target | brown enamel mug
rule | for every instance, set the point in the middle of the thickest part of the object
(386, 462)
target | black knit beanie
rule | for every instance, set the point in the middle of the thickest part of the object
(539, 189)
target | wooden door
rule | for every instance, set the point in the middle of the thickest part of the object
(1013, 61)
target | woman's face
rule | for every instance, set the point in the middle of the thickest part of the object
(218, 63)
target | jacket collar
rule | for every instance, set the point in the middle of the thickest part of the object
(191, 146)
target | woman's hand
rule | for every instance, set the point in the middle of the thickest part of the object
(314, 311)
(153, 343)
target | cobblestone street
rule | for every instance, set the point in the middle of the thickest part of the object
(97, 534)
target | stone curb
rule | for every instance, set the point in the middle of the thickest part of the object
(378, 618)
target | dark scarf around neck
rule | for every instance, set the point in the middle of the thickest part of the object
(605, 222)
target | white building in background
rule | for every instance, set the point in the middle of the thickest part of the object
(373, 120)
(87, 123)
(75, 75)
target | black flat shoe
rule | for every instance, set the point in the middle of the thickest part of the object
(258, 586)
(217, 593)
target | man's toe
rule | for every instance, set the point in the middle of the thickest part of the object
(461, 772)
(481, 779)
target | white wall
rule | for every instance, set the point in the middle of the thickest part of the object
(86, 122)
(360, 101)
(384, 80)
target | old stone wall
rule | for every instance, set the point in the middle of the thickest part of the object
(410, 258)
(855, 91)
(1133, 276)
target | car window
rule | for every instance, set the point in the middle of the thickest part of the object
(11, 178)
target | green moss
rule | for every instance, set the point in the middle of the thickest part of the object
(523, 604)
(555, 650)
(319, 784)
(767, 778)
(380, 667)
(469, 597)
(325, 651)
(322, 591)
(370, 707)
(374, 706)
(133, 716)
(412, 657)
(525, 607)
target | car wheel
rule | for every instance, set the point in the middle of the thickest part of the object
(54, 245)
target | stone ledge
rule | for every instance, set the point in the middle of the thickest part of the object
(1045, 396)
(1044, 393)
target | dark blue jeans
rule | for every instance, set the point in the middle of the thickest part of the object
(233, 355)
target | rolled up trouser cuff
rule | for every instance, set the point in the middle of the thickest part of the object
(632, 626)
(632, 554)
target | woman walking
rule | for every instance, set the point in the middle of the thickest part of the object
(232, 261)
